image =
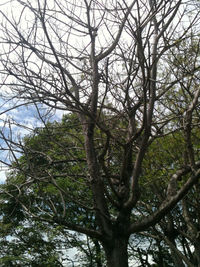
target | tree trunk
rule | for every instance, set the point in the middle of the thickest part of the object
(116, 252)
(197, 252)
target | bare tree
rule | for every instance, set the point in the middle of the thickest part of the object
(109, 62)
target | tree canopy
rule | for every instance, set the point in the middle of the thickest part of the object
(126, 75)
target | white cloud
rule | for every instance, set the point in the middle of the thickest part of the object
(2, 176)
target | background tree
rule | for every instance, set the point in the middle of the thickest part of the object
(108, 64)
(174, 227)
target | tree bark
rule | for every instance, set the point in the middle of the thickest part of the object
(116, 252)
